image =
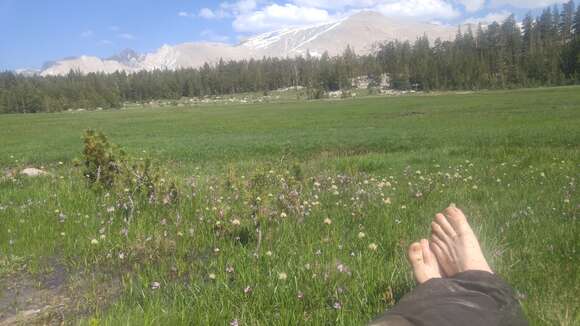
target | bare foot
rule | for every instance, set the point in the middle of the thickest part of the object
(454, 243)
(424, 262)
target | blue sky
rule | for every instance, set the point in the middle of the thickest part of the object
(35, 31)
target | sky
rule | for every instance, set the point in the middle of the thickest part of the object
(33, 32)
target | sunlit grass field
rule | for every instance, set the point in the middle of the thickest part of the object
(294, 213)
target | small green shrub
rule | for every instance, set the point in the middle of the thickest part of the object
(107, 166)
(101, 159)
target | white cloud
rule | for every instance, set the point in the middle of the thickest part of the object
(276, 16)
(105, 42)
(472, 5)
(126, 36)
(114, 28)
(184, 14)
(265, 15)
(422, 9)
(498, 17)
(87, 34)
(337, 4)
(527, 4)
(210, 35)
(240, 6)
(229, 9)
(207, 13)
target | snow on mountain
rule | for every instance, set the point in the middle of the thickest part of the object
(289, 41)
(362, 31)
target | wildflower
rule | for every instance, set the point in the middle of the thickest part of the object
(229, 269)
(327, 221)
(361, 235)
(95, 242)
(211, 276)
(283, 215)
(300, 295)
(121, 256)
(236, 222)
(155, 285)
(403, 206)
(216, 250)
(234, 323)
(62, 234)
(268, 253)
(111, 209)
(387, 200)
(373, 246)
(337, 305)
(474, 187)
(343, 268)
(60, 163)
(247, 290)
(282, 276)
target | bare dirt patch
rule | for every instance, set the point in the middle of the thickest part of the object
(56, 297)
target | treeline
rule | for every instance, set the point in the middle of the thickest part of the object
(543, 51)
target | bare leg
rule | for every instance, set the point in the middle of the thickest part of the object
(470, 294)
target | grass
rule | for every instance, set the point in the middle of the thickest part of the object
(377, 168)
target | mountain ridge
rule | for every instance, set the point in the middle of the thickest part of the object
(361, 31)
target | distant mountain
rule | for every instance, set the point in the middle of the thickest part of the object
(27, 72)
(362, 31)
(127, 57)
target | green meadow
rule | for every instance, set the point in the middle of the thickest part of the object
(296, 213)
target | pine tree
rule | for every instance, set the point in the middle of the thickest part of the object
(567, 22)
